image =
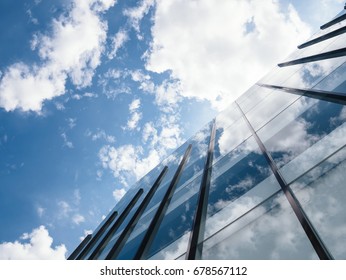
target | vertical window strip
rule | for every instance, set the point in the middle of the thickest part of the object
(161, 211)
(116, 249)
(116, 225)
(195, 247)
(311, 233)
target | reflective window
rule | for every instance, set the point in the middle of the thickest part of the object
(185, 189)
(322, 194)
(269, 107)
(335, 81)
(269, 231)
(304, 134)
(237, 176)
(176, 226)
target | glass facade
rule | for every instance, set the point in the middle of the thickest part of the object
(263, 180)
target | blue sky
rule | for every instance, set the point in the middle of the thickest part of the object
(95, 93)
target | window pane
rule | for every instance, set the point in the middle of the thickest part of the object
(239, 179)
(269, 231)
(322, 194)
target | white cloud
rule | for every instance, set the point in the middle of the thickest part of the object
(77, 219)
(101, 134)
(118, 194)
(135, 104)
(118, 41)
(127, 162)
(40, 211)
(167, 96)
(77, 196)
(87, 94)
(67, 143)
(86, 233)
(71, 122)
(72, 50)
(136, 14)
(135, 117)
(102, 5)
(205, 47)
(64, 209)
(39, 247)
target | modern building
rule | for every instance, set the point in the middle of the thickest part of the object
(265, 179)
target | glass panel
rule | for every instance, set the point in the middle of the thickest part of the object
(228, 138)
(193, 168)
(269, 107)
(322, 194)
(227, 117)
(335, 81)
(241, 176)
(269, 231)
(172, 162)
(307, 75)
(145, 183)
(177, 223)
(304, 134)
(320, 32)
(252, 98)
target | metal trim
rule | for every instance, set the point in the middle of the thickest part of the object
(114, 252)
(161, 211)
(195, 247)
(79, 248)
(329, 96)
(115, 226)
(324, 37)
(311, 233)
(317, 57)
(97, 236)
(333, 21)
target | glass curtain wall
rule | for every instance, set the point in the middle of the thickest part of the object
(270, 164)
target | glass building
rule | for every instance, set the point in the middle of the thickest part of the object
(265, 179)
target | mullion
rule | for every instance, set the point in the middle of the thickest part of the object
(115, 226)
(324, 37)
(317, 57)
(97, 236)
(311, 233)
(114, 252)
(329, 96)
(161, 211)
(334, 21)
(197, 234)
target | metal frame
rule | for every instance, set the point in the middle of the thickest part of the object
(97, 236)
(161, 211)
(311, 233)
(97, 251)
(333, 21)
(195, 248)
(329, 96)
(324, 37)
(317, 57)
(114, 252)
(80, 247)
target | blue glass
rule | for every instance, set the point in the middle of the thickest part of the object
(304, 134)
(242, 175)
(176, 224)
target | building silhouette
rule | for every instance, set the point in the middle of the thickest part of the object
(265, 179)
